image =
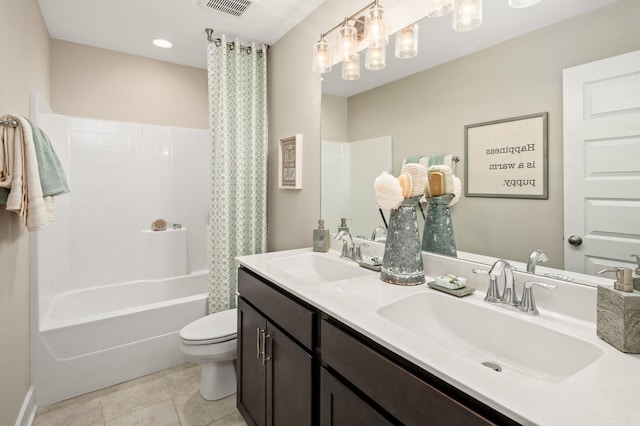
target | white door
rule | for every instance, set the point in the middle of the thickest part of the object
(602, 163)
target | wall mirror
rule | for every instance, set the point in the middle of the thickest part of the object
(473, 81)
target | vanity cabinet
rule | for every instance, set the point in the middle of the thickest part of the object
(299, 366)
(409, 396)
(275, 355)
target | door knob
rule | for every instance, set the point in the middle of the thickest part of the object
(575, 240)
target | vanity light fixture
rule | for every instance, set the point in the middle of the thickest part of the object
(407, 42)
(376, 28)
(160, 42)
(352, 31)
(436, 8)
(351, 68)
(321, 56)
(522, 3)
(348, 41)
(467, 15)
(375, 58)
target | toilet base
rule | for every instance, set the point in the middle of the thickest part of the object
(218, 380)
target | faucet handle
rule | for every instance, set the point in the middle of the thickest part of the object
(347, 251)
(357, 251)
(528, 303)
(493, 292)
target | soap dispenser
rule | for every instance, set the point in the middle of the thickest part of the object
(623, 279)
(635, 281)
(343, 225)
(321, 238)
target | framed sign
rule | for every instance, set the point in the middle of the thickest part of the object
(507, 158)
(290, 163)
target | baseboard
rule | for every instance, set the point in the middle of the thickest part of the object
(28, 411)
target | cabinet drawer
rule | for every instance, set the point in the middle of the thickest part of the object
(405, 396)
(279, 308)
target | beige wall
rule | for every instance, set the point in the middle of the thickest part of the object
(294, 107)
(519, 77)
(98, 83)
(25, 66)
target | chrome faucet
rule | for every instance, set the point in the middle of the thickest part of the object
(535, 257)
(347, 244)
(380, 229)
(509, 298)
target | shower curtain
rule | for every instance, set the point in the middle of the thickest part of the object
(237, 77)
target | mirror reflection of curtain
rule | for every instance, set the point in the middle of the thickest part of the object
(237, 79)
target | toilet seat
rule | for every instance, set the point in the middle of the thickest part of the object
(210, 329)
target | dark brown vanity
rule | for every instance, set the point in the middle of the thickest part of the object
(299, 366)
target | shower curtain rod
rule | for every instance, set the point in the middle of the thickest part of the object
(10, 123)
(231, 44)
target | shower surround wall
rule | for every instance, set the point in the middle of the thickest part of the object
(99, 274)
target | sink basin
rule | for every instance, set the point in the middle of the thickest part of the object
(319, 267)
(484, 333)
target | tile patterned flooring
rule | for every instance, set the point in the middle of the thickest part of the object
(166, 398)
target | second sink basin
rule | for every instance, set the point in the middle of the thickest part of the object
(319, 267)
(486, 334)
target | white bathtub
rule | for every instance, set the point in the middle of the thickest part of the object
(90, 339)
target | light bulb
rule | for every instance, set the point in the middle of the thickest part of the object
(436, 8)
(467, 15)
(351, 68)
(347, 42)
(376, 28)
(321, 57)
(407, 42)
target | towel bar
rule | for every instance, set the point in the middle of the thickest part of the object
(10, 123)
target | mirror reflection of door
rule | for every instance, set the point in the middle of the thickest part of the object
(602, 164)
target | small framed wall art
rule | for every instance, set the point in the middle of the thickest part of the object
(290, 163)
(507, 158)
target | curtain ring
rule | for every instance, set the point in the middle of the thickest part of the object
(217, 42)
(232, 45)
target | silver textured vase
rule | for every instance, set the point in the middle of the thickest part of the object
(402, 261)
(437, 236)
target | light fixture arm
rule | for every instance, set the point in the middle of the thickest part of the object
(349, 18)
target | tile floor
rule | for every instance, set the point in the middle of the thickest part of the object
(166, 398)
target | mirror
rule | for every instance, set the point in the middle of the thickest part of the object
(425, 114)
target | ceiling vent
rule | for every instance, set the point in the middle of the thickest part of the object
(229, 7)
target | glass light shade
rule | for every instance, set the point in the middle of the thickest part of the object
(467, 15)
(376, 28)
(407, 42)
(321, 57)
(376, 58)
(436, 8)
(522, 3)
(347, 42)
(351, 68)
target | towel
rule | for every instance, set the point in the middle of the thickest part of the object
(19, 174)
(52, 177)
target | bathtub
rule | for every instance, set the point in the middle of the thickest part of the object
(93, 338)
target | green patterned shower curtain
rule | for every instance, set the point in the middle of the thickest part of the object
(238, 163)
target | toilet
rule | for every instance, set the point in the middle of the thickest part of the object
(211, 341)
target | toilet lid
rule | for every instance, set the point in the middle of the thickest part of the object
(214, 328)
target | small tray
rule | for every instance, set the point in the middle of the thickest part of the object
(459, 292)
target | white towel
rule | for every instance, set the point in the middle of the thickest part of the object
(20, 174)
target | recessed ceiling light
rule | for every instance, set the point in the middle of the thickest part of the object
(160, 42)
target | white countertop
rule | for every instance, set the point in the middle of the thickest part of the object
(607, 392)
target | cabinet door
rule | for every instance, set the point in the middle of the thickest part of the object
(289, 381)
(251, 371)
(339, 406)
